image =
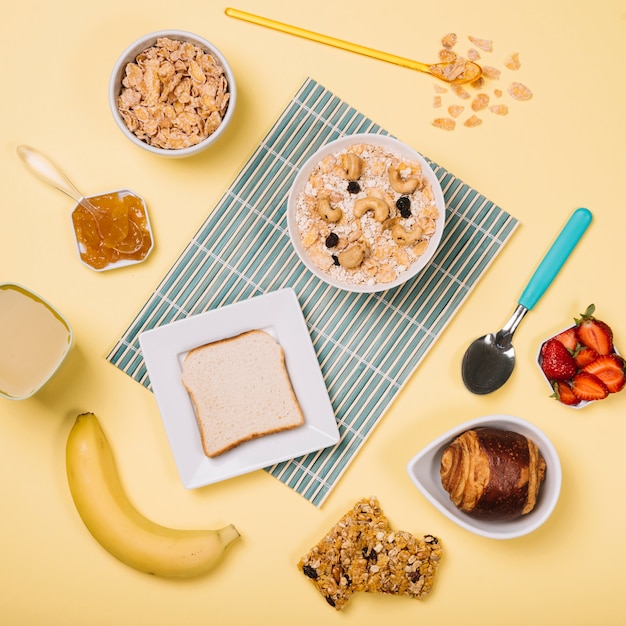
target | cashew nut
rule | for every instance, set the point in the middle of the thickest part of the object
(379, 206)
(352, 257)
(405, 237)
(399, 184)
(326, 212)
(352, 166)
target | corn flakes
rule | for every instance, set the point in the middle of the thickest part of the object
(472, 120)
(512, 62)
(499, 109)
(446, 123)
(480, 102)
(520, 92)
(174, 95)
(483, 44)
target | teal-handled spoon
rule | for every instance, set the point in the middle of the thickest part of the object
(489, 360)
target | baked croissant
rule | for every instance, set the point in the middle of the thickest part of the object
(492, 474)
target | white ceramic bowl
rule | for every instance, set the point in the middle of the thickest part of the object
(424, 472)
(130, 54)
(391, 145)
(34, 340)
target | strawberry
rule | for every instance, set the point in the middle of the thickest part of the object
(609, 369)
(594, 333)
(584, 355)
(557, 362)
(568, 338)
(586, 386)
(564, 394)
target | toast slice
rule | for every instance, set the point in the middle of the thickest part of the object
(240, 390)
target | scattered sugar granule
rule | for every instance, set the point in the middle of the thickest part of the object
(446, 123)
(473, 54)
(455, 110)
(436, 102)
(440, 89)
(479, 83)
(497, 93)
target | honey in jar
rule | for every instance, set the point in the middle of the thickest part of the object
(116, 233)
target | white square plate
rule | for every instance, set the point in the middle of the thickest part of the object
(164, 349)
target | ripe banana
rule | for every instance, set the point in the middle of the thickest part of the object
(118, 526)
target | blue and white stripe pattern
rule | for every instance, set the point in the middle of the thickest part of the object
(368, 345)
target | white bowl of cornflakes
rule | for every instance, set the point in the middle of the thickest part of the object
(172, 93)
(366, 213)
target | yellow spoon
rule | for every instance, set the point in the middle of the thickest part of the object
(448, 72)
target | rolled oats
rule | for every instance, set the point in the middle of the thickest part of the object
(174, 95)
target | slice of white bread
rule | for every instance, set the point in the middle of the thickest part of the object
(240, 390)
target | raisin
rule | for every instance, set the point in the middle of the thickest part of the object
(414, 576)
(335, 259)
(309, 571)
(404, 206)
(369, 554)
(354, 187)
(332, 240)
(431, 539)
(330, 601)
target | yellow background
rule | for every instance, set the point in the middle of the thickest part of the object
(561, 150)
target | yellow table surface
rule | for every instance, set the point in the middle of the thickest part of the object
(561, 150)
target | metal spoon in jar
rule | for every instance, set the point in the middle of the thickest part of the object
(489, 361)
(450, 72)
(47, 171)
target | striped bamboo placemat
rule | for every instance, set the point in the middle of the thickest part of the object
(368, 345)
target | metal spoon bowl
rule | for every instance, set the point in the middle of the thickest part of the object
(489, 360)
(471, 71)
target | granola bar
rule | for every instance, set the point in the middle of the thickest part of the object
(330, 565)
(362, 553)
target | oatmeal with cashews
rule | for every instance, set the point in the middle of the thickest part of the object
(366, 214)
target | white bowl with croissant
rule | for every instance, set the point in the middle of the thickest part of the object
(457, 474)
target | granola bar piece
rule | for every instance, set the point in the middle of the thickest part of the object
(402, 564)
(362, 553)
(335, 565)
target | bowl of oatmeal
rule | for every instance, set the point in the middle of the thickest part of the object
(172, 93)
(366, 213)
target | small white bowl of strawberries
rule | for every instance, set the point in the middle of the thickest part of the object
(581, 363)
